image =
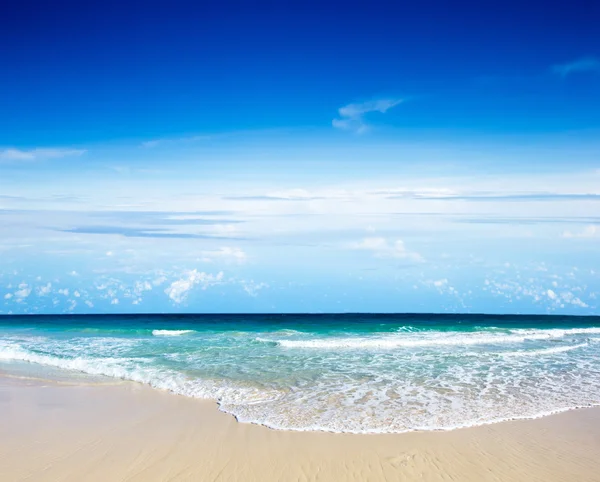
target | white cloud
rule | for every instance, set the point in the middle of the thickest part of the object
(23, 292)
(16, 155)
(155, 142)
(12, 154)
(8, 296)
(384, 249)
(591, 231)
(569, 297)
(228, 230)
(551, 294)
(114, 301)
(373, 244)
(578, 302)
(225, 253)
(152, 143)
(292, 194)
(418, 192)
(158, 281)
(178, 290)
(585, 64)
(443, 287)
(44, 290)
(352, 116)
(252, 288)
(140, 287)
(64, 291)
(299, 194)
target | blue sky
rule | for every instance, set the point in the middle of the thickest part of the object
(300, 158)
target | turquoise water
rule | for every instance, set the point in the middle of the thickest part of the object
(339, 373)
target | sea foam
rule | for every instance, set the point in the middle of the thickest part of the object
(430, 339)
(545, 351)
(171, 332)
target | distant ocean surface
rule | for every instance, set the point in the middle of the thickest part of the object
(338, 373)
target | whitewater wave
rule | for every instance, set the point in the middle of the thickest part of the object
(545, 351)
(330, 389)
(301, 411)
(136, 370)
(431, 339)
(171, 332)
(386, 429)
(558, 332)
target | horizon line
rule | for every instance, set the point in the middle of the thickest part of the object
(356, 313)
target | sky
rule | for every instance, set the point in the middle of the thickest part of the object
(299, 157)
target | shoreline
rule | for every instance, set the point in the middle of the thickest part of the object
(82, 378)
(416, 430)
(123, 430)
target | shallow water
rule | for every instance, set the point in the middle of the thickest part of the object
(341, 373)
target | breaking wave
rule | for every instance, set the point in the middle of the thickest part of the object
(171, 332)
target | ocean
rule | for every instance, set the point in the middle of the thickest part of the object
(357, 373)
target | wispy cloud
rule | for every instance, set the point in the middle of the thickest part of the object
(157, 142)
(23, 292)
(285, 195)
(178, 290)
(419, 194)
(225, 253)
(585, 64)
(12, 154)
(252, 288)
(381, 248)
(591, 231)
(523, 220)
(352, 116)
(168, 218)
(496, 196)
(131, 232)
(152, 143)
(537, 291)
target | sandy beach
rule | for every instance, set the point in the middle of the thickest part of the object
(122, 431)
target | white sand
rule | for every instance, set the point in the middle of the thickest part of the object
(128, 432)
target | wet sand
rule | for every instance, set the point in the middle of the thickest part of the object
(122, 431)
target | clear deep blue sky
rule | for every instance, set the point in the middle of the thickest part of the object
(77, 72)
(398, 156)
